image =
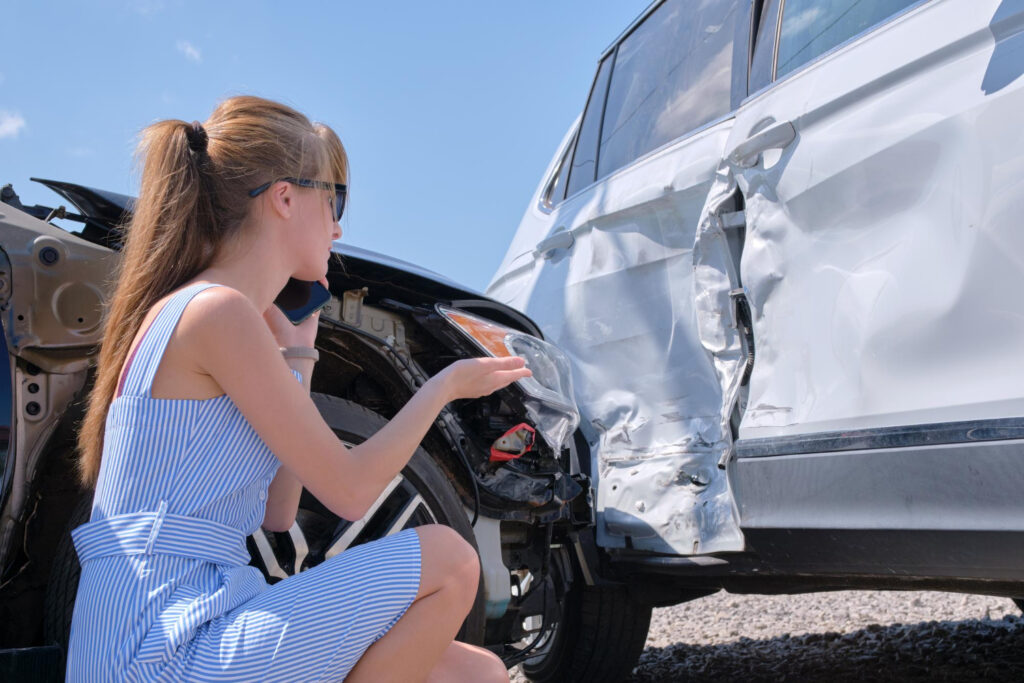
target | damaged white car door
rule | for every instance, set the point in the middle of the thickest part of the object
(602, 262)
(880, 169)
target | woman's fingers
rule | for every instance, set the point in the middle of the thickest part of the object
(509, 376)
(501, 380)
(506, 363)
(516, 370)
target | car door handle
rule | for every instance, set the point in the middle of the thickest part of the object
(561, 239)
(776, 136)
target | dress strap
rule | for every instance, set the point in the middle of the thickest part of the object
(145, 360)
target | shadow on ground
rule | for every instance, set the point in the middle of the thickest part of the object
(972, 650)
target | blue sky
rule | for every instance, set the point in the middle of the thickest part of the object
(450, 110)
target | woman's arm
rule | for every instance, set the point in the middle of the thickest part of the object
(282, 501)
(383, 455)
(285, 489)
(229, 339)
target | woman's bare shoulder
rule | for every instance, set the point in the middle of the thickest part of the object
(219, 314)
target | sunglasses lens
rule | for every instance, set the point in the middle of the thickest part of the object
(339, 204)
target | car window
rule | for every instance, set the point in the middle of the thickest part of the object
(583, 161)
(555, 191)
(762, 60)
(672, 74)
(811, 28)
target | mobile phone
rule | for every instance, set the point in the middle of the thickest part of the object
(300, 299)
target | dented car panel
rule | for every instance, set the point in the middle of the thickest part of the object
(619, 301)
(880, 279)
(878, 274)
(51, 290)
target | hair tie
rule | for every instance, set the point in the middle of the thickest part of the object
(197, 137)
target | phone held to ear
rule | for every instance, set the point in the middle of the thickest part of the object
(300, 299)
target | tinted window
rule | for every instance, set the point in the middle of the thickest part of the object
(555, 191)
(672, 74)
(583, 160)
(764, 47)
(811, 28)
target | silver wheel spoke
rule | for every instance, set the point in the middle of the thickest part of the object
(299, 541)
(398, 523)
(430, 513)
(355, 527)
(267, 554)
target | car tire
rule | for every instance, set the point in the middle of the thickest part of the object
(353, 424)
(63, 583)
(599, 638)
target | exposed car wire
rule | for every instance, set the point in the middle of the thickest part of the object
(547, 624)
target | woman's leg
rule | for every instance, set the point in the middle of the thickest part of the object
(315, 624)
(462, 662)
(412, 648)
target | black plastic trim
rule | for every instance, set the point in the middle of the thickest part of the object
(969, 431)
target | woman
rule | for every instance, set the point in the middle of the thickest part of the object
(197, 432)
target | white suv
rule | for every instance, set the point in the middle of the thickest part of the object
(781, 247)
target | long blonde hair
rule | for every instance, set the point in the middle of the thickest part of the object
(190, 205)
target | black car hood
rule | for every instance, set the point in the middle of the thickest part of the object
(392, 277)
(105, 207)
(390, 262)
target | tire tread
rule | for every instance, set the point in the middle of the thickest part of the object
(604, 640)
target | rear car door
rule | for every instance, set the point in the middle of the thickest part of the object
(880, 162)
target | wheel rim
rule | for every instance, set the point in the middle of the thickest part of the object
(318, 534)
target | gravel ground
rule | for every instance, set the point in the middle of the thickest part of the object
(834, 637)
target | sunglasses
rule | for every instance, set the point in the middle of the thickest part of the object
(340, 191)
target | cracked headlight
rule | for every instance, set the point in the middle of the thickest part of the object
(549, 402)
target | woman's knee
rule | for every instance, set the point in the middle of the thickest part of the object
(470, 662)
(447, 559)
(496, 669)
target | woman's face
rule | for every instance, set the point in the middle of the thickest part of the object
(315, 223)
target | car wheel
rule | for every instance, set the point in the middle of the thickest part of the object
(420, 494)
(599, 636)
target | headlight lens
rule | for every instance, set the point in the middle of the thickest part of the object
(550, 401)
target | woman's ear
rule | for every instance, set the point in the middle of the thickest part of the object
(281, 199)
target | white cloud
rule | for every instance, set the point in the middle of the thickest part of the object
(146, 6)
(10, 124)
(190, 51)
(802, 21)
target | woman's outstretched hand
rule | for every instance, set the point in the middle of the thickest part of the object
(476, 377)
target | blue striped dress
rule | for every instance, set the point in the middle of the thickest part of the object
(166, 591)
